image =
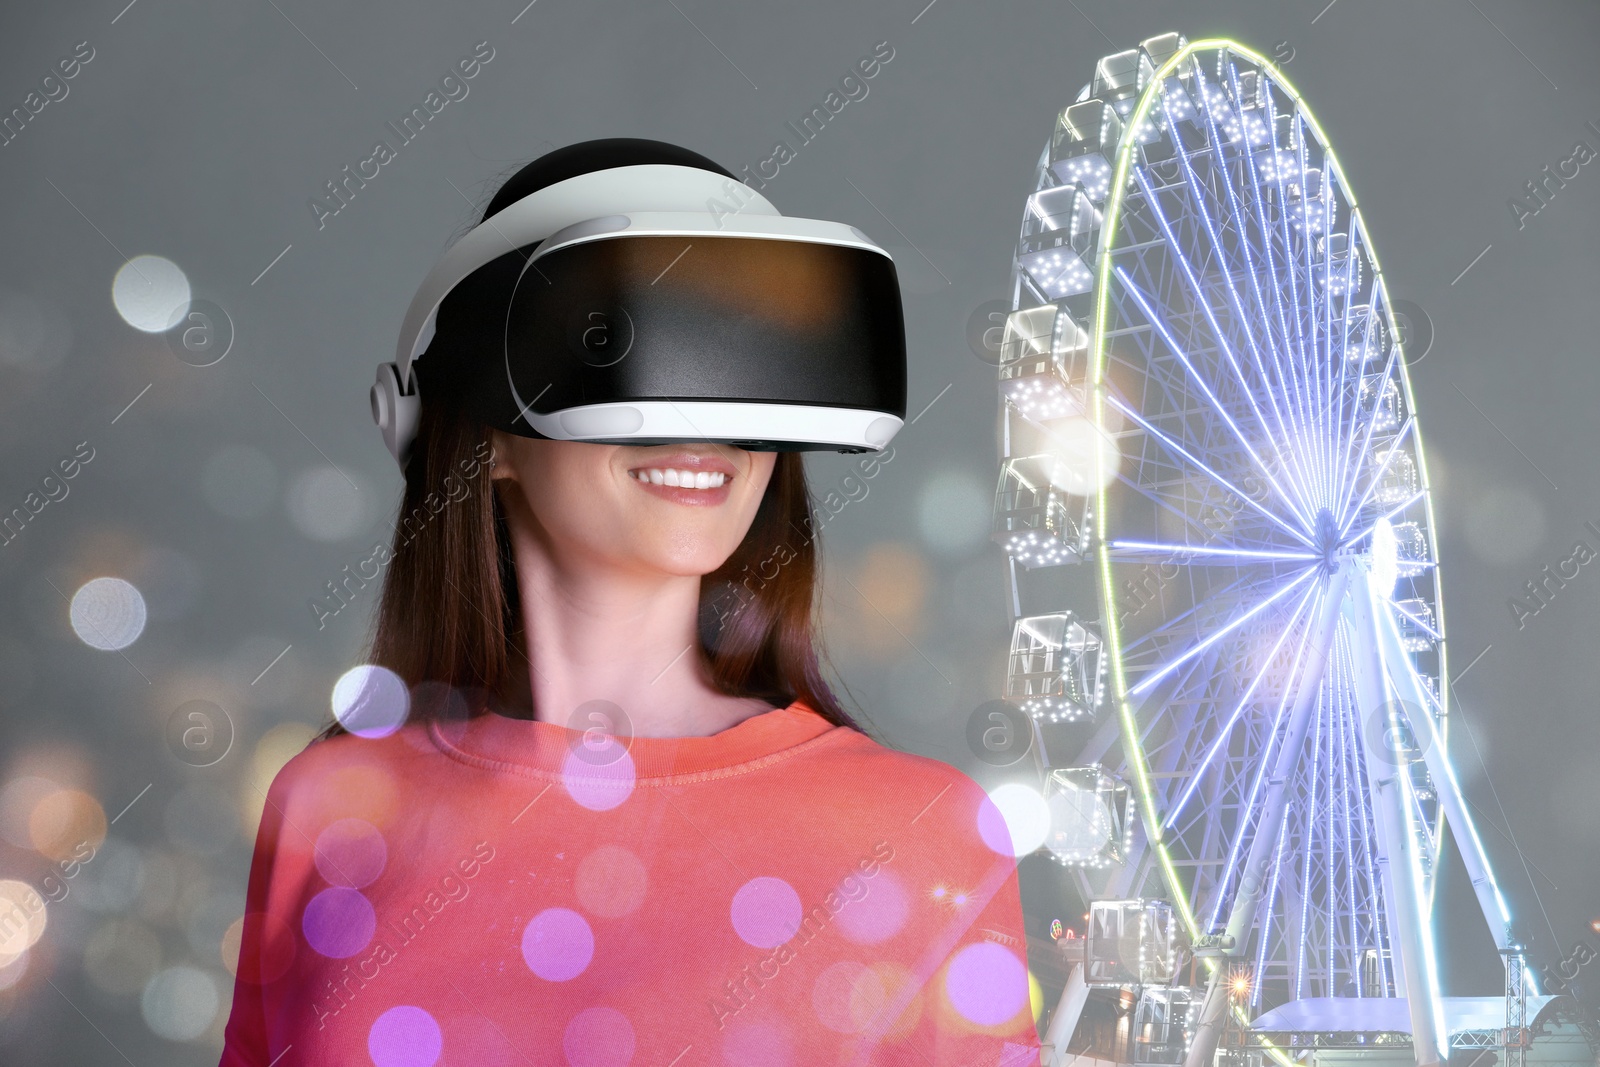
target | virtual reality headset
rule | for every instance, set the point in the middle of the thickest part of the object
(654, 304)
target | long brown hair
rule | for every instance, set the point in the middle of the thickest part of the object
(449, 611)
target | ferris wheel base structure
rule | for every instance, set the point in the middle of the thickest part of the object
(1375, 1032)
(1205, 403)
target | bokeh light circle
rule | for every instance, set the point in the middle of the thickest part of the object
(877, 915)
(17, 800)
(11, 971)
(325, 505)
(22, 918)
(599, 786)
(371, 701)
(847, 996)
(1015, 820)
(351, 853)
(557, 944)
(108, 614)
(274, 943)
(112, 882)
(151, 293)
(758, 1042)
(611, 882)
(986, 983)
(1083, 458)
(67, 824)
(338, 922)
(405, 1036)
(179, 1003)
(766, 912)
(598, 1037)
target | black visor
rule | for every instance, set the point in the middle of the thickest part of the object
(752, 341)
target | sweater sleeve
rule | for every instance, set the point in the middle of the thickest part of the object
(967, 1001)
(266, 944)
(983, 985)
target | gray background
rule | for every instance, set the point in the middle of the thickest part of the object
(199, 131)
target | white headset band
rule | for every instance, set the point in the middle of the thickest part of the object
(643, 187)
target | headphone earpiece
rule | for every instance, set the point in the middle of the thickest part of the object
(395, 411)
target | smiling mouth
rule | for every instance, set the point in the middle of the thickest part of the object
(680, 479)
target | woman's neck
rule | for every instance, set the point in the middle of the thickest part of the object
(616, 650)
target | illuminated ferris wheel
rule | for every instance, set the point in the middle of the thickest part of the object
(1210, 434)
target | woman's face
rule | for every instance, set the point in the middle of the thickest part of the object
(614, 505)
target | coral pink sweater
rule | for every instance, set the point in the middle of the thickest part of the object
(502, 891)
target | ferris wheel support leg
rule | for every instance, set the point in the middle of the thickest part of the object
(1065, 1020)
(1253, 879)
(1397, 845)
(1414, 702)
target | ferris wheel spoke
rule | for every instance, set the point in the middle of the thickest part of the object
(1226, 730)
(1219, 164)
(1295, 276)
(1335, 326)
(1177, 350)
(1238, 621)
(1215, 477)
(1161, 502)
(1316, 325)
(1338, 448)
(1391, 513)
(1306, 406)
(1301, 404)
(1242, 830)
(1377, 475)
(1336, 354)
(1133, 551)
(1296, 345)
(1371, 425)
(1325, 335)
(1294, 351)
(1170, 626)
(1202, 298)
(1308, 848)
(1321, 324)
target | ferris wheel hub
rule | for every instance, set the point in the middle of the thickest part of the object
(1327, 540)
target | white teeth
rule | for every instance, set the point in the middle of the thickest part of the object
(681, 478)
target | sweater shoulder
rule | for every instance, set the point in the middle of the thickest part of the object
(347, 764)
(894, 770)
(904, 766)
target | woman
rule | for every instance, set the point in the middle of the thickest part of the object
(625, 820)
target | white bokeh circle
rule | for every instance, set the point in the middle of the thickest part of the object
(151, 293)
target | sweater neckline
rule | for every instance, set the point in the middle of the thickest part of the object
(491, 739)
